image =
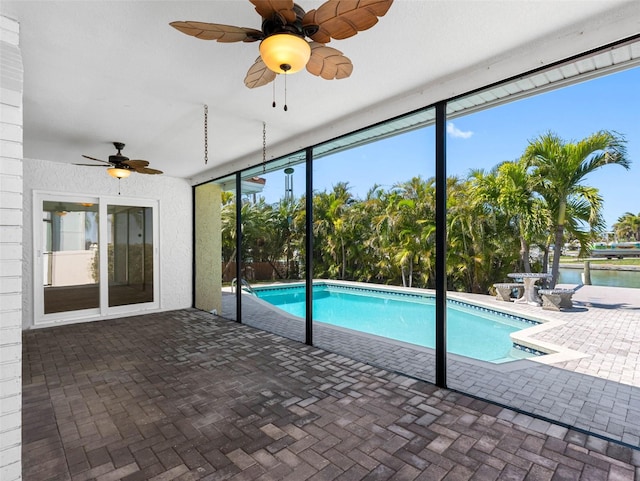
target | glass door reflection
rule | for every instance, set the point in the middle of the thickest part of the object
(130, 254)
(71, 269)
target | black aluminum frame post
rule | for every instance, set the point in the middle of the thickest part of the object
(441, 245)
(308, 330)
(238, 248)
(193, 245)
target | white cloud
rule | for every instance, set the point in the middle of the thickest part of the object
(454, 131)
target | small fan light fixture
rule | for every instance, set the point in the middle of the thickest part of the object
(120, 167)
(118, 172)
(285, 53)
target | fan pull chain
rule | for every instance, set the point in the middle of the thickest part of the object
(206, 134)
(119, 179)
(273, 104)
(285, 92)
(274, 92)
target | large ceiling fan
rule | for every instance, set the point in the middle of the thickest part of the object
(285, 27)
(121, 166)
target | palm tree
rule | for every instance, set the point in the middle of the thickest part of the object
(406, 226)
(364, 249)
(560, 168)
(509, 188)
(469, 225)
(228, 231)
(628, 227)
(287, 235)
(481, 240)
(330, 213)
(257, 231)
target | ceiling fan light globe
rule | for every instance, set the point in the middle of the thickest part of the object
(118, 173)
(285, 53)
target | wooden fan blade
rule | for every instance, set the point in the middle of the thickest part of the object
(146, 170)
(266, 8)
(328, 63)
(93, 158)
(135, 164)
(340, 19)
(215, 31)
(259, 75)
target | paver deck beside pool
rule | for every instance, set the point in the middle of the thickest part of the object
(598, 391)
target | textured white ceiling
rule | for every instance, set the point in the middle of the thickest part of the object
(103, 71)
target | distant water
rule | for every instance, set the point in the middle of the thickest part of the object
(601, 277)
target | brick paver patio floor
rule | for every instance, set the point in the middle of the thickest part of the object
(185, 395)
(597, 392)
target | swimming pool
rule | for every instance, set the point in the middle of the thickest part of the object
(472, 331)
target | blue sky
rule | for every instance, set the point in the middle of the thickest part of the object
(486, 138)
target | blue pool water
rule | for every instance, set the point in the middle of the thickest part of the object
(471, 331)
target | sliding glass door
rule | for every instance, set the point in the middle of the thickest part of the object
(94, 257)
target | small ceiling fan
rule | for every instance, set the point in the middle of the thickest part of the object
(285, 26)
(121, 166)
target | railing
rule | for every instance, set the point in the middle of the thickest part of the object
(244, 285)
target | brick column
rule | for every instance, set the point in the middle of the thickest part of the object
(11, 189)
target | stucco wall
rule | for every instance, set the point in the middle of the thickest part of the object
(208, 248)
(10, 250)
(174, 221)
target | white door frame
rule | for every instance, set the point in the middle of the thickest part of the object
(40, 319)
